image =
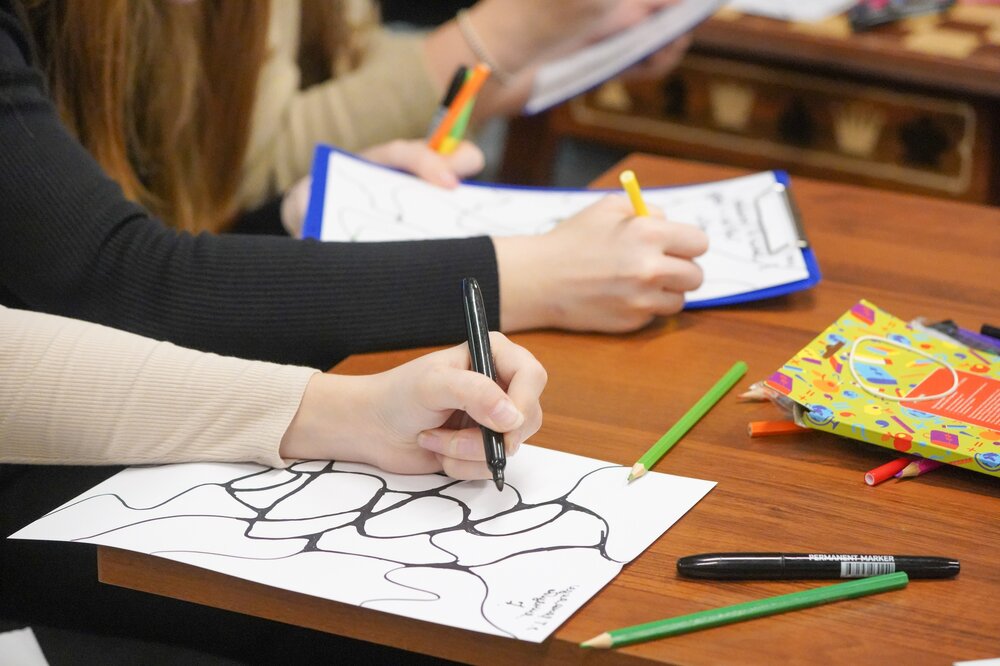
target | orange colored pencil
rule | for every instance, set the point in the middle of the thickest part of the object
(766, 428)
(469, 89)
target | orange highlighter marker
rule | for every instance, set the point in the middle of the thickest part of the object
(469, 90)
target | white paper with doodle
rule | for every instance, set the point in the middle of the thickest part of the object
(516, 563)
(755, 242)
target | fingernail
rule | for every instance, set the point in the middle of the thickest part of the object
(506, 416)
(429, 441)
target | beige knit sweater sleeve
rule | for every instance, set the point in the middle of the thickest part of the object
(73, 392)
(390, 95)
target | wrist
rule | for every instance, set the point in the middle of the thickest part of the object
(330, 421)
(484, 54)
(523, 281)
(507, 36)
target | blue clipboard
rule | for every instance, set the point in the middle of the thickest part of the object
(313, 228)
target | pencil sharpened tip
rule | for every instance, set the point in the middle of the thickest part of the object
(498, 479)
(638, 470)
(600, 641)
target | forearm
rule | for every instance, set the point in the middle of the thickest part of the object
(71, 244)
(391, 95)
(79, 393)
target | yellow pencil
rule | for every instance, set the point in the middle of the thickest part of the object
(631, 186)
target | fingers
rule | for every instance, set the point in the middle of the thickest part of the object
(685, 240)
(465, 444)
(295, 205)
(417, 158)
(467, 160)
(678, 275)
(658, 302)
(673, 238)
(525, 379)
(447, 387)
(464, 469)
(461, 453)
(517, 413)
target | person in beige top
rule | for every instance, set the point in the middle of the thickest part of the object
(78, 393)
(385, 85)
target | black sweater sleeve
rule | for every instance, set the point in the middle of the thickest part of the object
(71, 244)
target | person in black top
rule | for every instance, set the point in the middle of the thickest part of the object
(72, 244)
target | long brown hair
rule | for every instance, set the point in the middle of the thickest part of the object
(161, 93)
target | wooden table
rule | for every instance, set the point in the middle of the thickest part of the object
(609, 397)
(911, 106)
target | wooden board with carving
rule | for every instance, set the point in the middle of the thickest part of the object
(911, 106)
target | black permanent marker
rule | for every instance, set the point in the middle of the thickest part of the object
(774, 566)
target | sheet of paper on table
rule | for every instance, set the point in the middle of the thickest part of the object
(516, 563)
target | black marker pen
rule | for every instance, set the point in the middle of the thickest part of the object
(774, 566)
(482, 362)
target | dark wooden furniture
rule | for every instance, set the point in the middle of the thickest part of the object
(610, 397)
(912, 106)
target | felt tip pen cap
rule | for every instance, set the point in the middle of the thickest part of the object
(457, 79)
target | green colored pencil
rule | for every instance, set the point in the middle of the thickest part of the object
(717, 617)
(679, 429)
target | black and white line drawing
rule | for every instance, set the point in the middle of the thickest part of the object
(516, 563)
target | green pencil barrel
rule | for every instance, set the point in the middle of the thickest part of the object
(760, 608)
(693, 415)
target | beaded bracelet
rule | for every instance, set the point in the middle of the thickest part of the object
(477, 47)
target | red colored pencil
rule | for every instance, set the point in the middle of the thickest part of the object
(886, 471)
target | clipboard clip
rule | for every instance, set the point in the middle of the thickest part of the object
(793, 210)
